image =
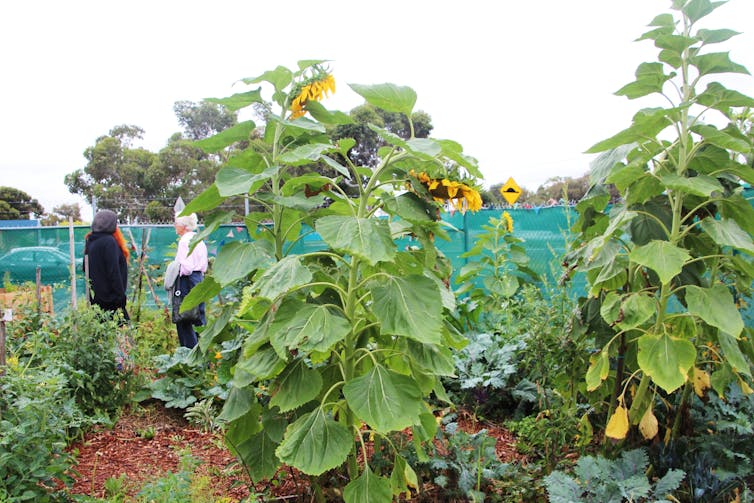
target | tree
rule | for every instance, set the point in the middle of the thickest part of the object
(368, 142)
(17, 204)
(563, 188)
(115, 173)
(137, 183)
(61, 213)
(203, 119)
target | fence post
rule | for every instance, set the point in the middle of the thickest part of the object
(72, 250)
(4, 315)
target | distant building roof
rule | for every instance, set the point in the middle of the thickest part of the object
(16, 224)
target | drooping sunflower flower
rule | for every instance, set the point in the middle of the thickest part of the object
(508, 221)
(462, 196)
(318, 86)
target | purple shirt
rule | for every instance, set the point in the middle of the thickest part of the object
(197, 261)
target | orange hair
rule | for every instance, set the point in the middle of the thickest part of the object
(121, 240)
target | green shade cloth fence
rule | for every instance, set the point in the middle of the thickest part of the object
(545, 232)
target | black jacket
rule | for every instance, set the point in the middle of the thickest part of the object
(108, 271)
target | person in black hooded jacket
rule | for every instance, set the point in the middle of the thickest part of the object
(106, 254)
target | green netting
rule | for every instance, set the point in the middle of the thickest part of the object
(545, 232)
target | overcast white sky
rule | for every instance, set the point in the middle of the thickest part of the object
(525, 87)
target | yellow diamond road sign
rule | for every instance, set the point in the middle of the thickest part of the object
(510, 191)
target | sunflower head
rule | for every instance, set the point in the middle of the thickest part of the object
(316, 86)
(508, 221)
(460, 194)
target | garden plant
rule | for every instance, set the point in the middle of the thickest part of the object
(349, 341)
(346, 348)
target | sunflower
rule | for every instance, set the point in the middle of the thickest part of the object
(508, 221)
(318, 86)
(462, 196)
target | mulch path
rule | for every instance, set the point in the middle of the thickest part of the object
(146, 443)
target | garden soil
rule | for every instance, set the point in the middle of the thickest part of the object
(146, 443)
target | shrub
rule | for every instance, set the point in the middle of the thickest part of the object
(36, 413)
(92, 352)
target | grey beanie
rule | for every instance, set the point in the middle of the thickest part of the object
(105, 221)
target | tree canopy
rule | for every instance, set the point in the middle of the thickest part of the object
(139, 184)
(16, 204)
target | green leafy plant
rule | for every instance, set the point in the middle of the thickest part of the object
(89, 350)
(186, 376)
(470, 466)
(115, 488)
(36, 416)
(203, 414)
(550, 435)
(497, 268)
(612, 481)
(484, 371)
(666, 264)
(172, 487)
(719, 456)
(351, 334)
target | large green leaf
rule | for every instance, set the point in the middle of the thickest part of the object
(315, 443)
(717, 96)
(368, 488)
(297, 385)
(424, 147)
(716, 307)
(721, 138)
(280, 77)
(240, 402)
(662, 257)
(727, 232)
(410, 207)
(202, 292)
(410, 306)
(209, 199)
(736, 207)
(239, 100)
(232, 181)
(667, 360)
(650, 78)
(599, 369)
(243, 429)
(435, 358)
(263, 364)
(306, 154)
(286, 274)
(385, 400)
(321, 114)
(628, 311)
(647, 123)
(389, 97)
(717, 62)
(236, 260)
(366, 238)
(733, 353)
(700, 185)
(258, 455)
(227, 137)
(306, 328)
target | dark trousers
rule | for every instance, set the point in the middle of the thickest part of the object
(186, 334)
